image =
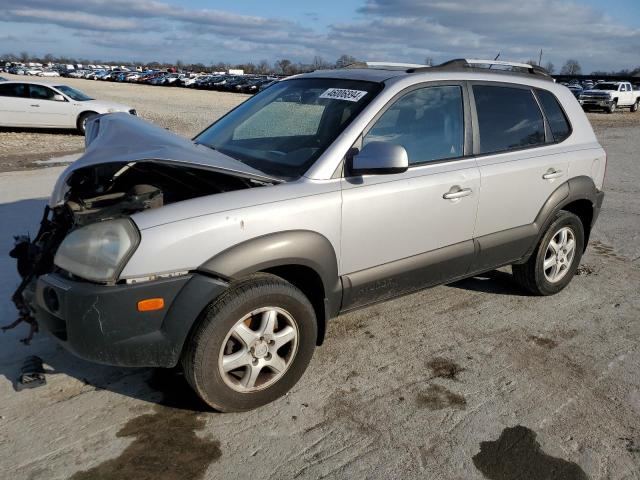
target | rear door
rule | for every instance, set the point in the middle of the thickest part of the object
(45, 111)
(518, 169)
(14, 105)
(400, 232)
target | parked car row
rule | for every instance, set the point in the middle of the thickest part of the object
(220, 81)
(33, 71)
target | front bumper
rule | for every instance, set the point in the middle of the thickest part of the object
(101, 323)
(594, 102)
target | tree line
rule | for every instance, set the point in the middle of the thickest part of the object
(282, 66)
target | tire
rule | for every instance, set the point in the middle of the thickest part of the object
(635, 106)
(245, 308)
(540, 281)
(82, 121)
(612, 108)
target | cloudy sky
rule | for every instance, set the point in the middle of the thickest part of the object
(601, 35)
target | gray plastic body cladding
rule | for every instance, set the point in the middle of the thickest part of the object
(406, 275)
(293, 247)
(516, 245)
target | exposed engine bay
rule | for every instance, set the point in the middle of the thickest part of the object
(104, 192)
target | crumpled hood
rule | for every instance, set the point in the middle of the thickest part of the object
(124, 138)
(120, 137)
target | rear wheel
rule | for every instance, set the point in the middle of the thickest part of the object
(252, 344)
(83, 119)
(556, 258)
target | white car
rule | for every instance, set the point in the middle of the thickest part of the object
(48, 73)
(41, 105)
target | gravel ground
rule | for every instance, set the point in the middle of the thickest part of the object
(181, 110)
(467, 381)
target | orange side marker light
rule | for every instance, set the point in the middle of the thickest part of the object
(150, 304)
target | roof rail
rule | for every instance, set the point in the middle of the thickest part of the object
(460, 63)
(385, 65)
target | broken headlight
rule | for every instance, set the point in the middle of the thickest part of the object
(98, 251)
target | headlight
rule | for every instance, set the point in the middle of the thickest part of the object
(99, 251)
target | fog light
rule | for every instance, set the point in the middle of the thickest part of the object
(51, 299)
(150, 304)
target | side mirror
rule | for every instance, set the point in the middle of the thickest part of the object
(379, 158)
(59, 98)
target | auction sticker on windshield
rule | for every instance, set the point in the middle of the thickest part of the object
(343, 94)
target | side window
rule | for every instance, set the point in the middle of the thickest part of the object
(558, 122)
(509, 118)
(41, 93)
(12, 90)
(428, 123)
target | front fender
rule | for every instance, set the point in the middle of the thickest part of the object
(292, 247)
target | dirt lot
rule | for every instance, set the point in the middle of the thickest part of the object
(467, 381)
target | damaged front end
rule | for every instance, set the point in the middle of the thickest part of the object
(95, 190)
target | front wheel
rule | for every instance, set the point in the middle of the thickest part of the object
(613, 106)
(556, 258)
(83, 119)
(251, 345)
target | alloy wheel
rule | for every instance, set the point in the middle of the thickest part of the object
(559, 255)
(259, 349)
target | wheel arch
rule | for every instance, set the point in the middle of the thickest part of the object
(577, 195)
(80, 115)
(304, 258)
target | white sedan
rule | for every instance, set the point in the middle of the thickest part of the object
(41, 105)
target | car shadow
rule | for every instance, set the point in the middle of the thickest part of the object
(495, 282)
(50, 131)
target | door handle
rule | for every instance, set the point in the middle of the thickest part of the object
(552, 173)
(453, 194)
(36, 105)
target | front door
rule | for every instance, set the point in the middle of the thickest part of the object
(45, 111)
(402, 232)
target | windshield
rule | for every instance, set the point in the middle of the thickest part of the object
(285, 128)
(74, 94)
(606, 86)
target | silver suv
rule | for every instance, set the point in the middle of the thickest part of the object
(326, 192)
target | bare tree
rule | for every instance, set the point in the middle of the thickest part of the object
(345, 60)
(319, 63)
(550, 67)
(24, 57)
(428, 61)
(285, 66)
(264, 67)
(572, 67)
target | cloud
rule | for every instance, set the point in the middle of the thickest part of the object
(401, 30)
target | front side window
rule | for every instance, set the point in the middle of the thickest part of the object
(285, 128)
(74, 94)
(41, 93)
(558, 122)
(13, 90)
(509, 118)
(428, 123)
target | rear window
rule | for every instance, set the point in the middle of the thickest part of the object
(558, 122)
(12, 90)
(509, 118)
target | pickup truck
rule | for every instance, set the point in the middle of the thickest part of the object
(610, 96)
